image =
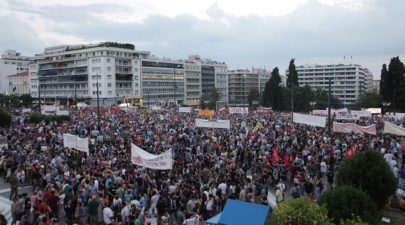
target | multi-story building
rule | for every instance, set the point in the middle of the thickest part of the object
(11, 62)
(264, 76)
(162, 81)
(240, 82)
(376, 86)
(70, 72)
(19, 83)
(210, 75)
(347, 81)
(192, 81)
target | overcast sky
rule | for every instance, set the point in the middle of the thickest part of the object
(260, 33)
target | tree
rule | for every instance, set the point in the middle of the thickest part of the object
(300, 211)
(5, 118)
(321, 100)
(369, 100)
(253, 97)
(392, 84)
(209, 100)
(272, 95)
(368, 171)
(292, 77)
(345, 202)
(303, 97)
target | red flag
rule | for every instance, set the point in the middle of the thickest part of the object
(274, 156)
(285, 159)
(292, 157)
(351, 151)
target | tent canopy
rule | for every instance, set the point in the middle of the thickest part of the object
(241, 213)
(214, 220)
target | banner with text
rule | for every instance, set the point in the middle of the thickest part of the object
(240, 110)
(73, 141)
(318, 121)
(143, 158)
(352, 127)
(185, 109)
(391, 128)
(225, 124)
(264, 110)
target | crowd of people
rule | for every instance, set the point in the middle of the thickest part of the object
(245, 162)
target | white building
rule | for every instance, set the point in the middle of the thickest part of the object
(70, 72)
(19, 83)
(11, 62)
(347, 81)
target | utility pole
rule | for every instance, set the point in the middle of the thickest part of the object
(98, 108)
(174, 86)
(75, 95)
(329, 95)
(39, 96)
(292, 97)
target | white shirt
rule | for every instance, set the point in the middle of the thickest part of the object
(107, 215)
(223, 187)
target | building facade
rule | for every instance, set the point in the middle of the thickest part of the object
(162, 82)
(347, 81)
(11, 62)
(73, 72)
(192, 81)
(19, 83)
(240, 82)
(264, 76)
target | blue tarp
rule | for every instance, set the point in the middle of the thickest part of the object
(213, 220)
(241, 213)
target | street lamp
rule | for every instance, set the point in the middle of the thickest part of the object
(98, 107)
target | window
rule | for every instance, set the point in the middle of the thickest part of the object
(108, 60)
(109, 76)
(108, 68)
(96, 69)
(109, 85)
(109, 92)
(136, 77)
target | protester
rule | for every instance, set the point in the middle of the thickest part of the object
(246, 162)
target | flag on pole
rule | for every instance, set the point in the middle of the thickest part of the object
(274, 154)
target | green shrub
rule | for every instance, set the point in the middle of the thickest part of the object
(5, 118)
(345, 202)
(38, 117)
(369, 172)
(300, 211)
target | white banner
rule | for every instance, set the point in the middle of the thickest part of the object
(357, 114)
(62, 113)
(143, 158)
(27, 110)
(73, 141)
(320, 112)
(225, 124)
(318, 121)
(352, 127)
(185, 109)
(391, 128)
(240, 110)
(397, 116)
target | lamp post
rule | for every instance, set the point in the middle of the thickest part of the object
(329, 95)
(98, 107)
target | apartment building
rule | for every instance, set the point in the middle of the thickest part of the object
(70, 72)
(347, 81)
(11, 62)
(240, 82)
